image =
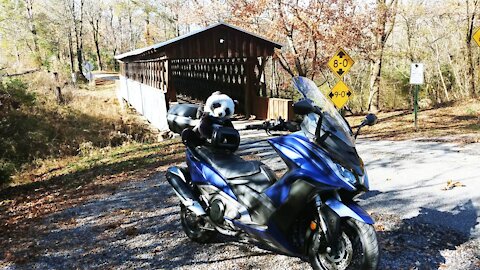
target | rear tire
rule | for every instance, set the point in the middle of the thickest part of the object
(358, 249)
(193, 226)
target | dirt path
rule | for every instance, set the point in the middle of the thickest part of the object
(137, 226)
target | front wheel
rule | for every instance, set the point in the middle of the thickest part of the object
(194, 226)
(357, 249)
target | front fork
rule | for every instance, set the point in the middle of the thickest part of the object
(330, 225)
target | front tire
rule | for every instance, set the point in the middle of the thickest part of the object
(194, 226)
(358, 249)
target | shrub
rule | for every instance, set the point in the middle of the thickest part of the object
(33, 126)
(13, 94)
(6, 170)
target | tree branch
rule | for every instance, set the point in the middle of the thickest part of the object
(284, 64)
(20, 73)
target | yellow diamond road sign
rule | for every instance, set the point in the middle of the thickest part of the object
(476, 36)
(340, 94)
(340, 63)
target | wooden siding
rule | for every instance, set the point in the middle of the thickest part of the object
(220, 41)
(272, 108)
(220, 58)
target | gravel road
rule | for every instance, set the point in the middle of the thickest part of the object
(410, 177)
(419, 225)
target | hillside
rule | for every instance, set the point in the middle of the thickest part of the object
(454, 122)
(36, 130)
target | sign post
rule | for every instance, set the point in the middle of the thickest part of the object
(416, 78)
(415, 107)
(340, 64)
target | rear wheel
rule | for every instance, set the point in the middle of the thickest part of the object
(194, 226)
(357, 249)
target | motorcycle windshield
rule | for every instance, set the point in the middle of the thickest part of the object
(340, 142)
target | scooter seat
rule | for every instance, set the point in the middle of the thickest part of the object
(227, 164)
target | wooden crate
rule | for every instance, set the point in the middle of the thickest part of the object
(272, 108)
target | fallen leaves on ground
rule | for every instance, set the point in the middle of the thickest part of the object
(131, 231)
(453, 184)
(458, 122)
(22, 207)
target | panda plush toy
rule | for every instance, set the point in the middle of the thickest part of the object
(216, 113)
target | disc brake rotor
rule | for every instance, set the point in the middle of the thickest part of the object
(341, 258)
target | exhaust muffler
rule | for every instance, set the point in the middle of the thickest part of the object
(176, 178)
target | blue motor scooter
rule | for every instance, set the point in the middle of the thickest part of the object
(309, 212)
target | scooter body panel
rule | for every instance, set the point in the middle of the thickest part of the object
(203, 174)
(305, 161)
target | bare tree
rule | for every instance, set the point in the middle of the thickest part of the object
(33, 29)
(471, 13)
(113, 32)
(385, 21)
(76, 15)
(94, 15)
(71, 56)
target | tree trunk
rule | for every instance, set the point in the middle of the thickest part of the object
(130, 28)
(382, 32)
(96, 36)
(375, 77)
(73, 75)
(439, 69)
(471, 70)
(148, 36)
(470, 61)
(17, 53)
(78, 28)
(114, 36)
(33, 30)
(70, 52)
(99, 56)
(456, 76)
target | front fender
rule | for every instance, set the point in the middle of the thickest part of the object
(350, 209)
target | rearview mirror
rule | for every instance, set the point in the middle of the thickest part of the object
(370, 119)
(303, 107)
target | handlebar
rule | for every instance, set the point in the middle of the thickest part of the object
(276, 125)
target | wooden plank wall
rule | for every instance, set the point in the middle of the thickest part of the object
(219, 42)
(219, 59)
(199, 78)
(272, 108)
(280, 107)
(153, 73)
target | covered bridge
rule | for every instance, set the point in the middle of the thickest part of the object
(220, 57)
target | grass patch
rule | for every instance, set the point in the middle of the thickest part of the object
(64, 154)
(458, 122)
(106, 161)
(59, 183)
(34, 127)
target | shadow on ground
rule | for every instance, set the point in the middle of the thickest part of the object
(137, 225)
(416, 243)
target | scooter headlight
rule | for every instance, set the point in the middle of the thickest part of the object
(348, 175)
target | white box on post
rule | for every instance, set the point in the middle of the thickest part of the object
(416, 73)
